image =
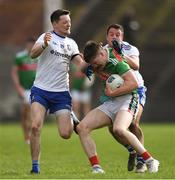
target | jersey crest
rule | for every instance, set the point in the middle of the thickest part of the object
(126, 46)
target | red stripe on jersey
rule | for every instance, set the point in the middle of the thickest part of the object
(119, 58)
(28, 67)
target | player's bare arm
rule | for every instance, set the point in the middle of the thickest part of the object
(130, 83)
(133, 61)
(38, 48)
(16, 82)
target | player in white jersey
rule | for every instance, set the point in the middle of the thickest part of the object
(131, 54)
(51, 86)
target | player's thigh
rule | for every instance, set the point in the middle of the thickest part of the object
(123, 120)
(64, 121)
(95, 119)
(37, 113)
(136, 121)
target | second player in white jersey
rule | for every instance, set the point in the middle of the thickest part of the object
(53, 66)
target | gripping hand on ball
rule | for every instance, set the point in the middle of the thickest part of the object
(108, 90)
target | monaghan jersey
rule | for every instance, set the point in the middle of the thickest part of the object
(53, 65)
(130, 50)
(26, 69)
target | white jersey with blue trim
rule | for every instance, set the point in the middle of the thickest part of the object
(131, 50)
(53, 64)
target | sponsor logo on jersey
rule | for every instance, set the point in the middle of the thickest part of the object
(56, 53)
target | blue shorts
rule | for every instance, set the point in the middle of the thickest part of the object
(142, 95)
(52, 101)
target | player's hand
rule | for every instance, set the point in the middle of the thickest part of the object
(89, 71)
(117, 45)
(108, 90)
(47, 38)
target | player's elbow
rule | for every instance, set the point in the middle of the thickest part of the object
(135, 67)
(135, 84)
(33, 55)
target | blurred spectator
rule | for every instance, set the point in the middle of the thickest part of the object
(23, 75)
(81, 91)
(130, 25)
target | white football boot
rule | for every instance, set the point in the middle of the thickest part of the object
(152, 165)
(96, 169)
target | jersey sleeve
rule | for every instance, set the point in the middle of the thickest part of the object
(129, 49)
(134, 51)
(40, 39)
(75, 49)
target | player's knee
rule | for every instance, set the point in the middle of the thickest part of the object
(82, 128)
(119, 131)
(65, 134)
(36, 129)
(134, 127)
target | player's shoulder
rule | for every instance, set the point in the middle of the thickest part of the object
(71, 40)
(129, 49)
(21, 53)
(128, 46)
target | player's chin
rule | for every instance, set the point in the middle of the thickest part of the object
(67, 32)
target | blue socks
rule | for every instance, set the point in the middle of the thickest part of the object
(35, 167)
(140, 159)
(130, 149)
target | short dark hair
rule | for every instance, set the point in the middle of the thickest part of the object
(115, 26)
(90, 51)
(56, 14)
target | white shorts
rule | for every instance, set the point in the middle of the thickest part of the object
(81, 96)
(26, 98)
(129, 102)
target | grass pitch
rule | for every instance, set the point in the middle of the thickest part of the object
(65, 159)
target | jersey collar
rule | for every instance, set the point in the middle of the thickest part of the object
(58, 35)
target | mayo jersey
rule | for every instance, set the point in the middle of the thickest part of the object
(26, 69)
(115, 65)
(129, 50)
(53, 64)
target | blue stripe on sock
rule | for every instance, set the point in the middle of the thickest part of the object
(140, 159)
(35, 162)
